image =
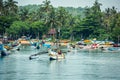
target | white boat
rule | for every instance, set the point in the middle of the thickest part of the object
(17, 47)
(55, 56)
(111, 49)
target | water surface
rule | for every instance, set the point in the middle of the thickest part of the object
(77, 65)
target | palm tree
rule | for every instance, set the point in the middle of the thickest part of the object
(107, 19)
(48, 15)
(46, 9)
(11, 7)
(1, 7)
(97, 6)
(63, 20)
(110, 19)
(113, 10)
(23, 13)
(52, 19)
(62, 16)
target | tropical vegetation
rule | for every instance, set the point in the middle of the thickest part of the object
(69, 23)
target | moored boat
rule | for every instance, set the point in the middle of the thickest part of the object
(34, 56)
(111, 49)
(3, 51)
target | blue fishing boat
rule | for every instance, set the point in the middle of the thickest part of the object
(3, 51)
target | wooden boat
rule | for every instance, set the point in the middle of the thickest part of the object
(111, 49)
(55, 56)
(17, 47)
(4, 53)
(34, 56)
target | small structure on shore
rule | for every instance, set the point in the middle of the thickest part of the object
(52, 32)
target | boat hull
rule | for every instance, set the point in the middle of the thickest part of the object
(4, 53)
(57, 57)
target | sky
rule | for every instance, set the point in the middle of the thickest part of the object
(74, 3)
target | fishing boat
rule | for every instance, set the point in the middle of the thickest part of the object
(17, 47)
(3, 51)
(55, 56)
(34, 56)
(111, 49)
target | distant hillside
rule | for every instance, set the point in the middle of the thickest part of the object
(30, 8)
(71, 10)
(76, 11)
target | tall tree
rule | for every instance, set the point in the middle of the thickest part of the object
(46, 8)
(1, 7)
(23, 13)
(116, 30)
(62, 17)
(109, 20)
(93, 19)
(11, 7)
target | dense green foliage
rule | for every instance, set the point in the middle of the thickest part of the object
(70, 23)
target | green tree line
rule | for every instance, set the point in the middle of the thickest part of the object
(69, 23)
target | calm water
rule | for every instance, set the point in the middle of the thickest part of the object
(77, 66)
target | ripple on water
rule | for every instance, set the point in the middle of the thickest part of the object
(76, 65)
